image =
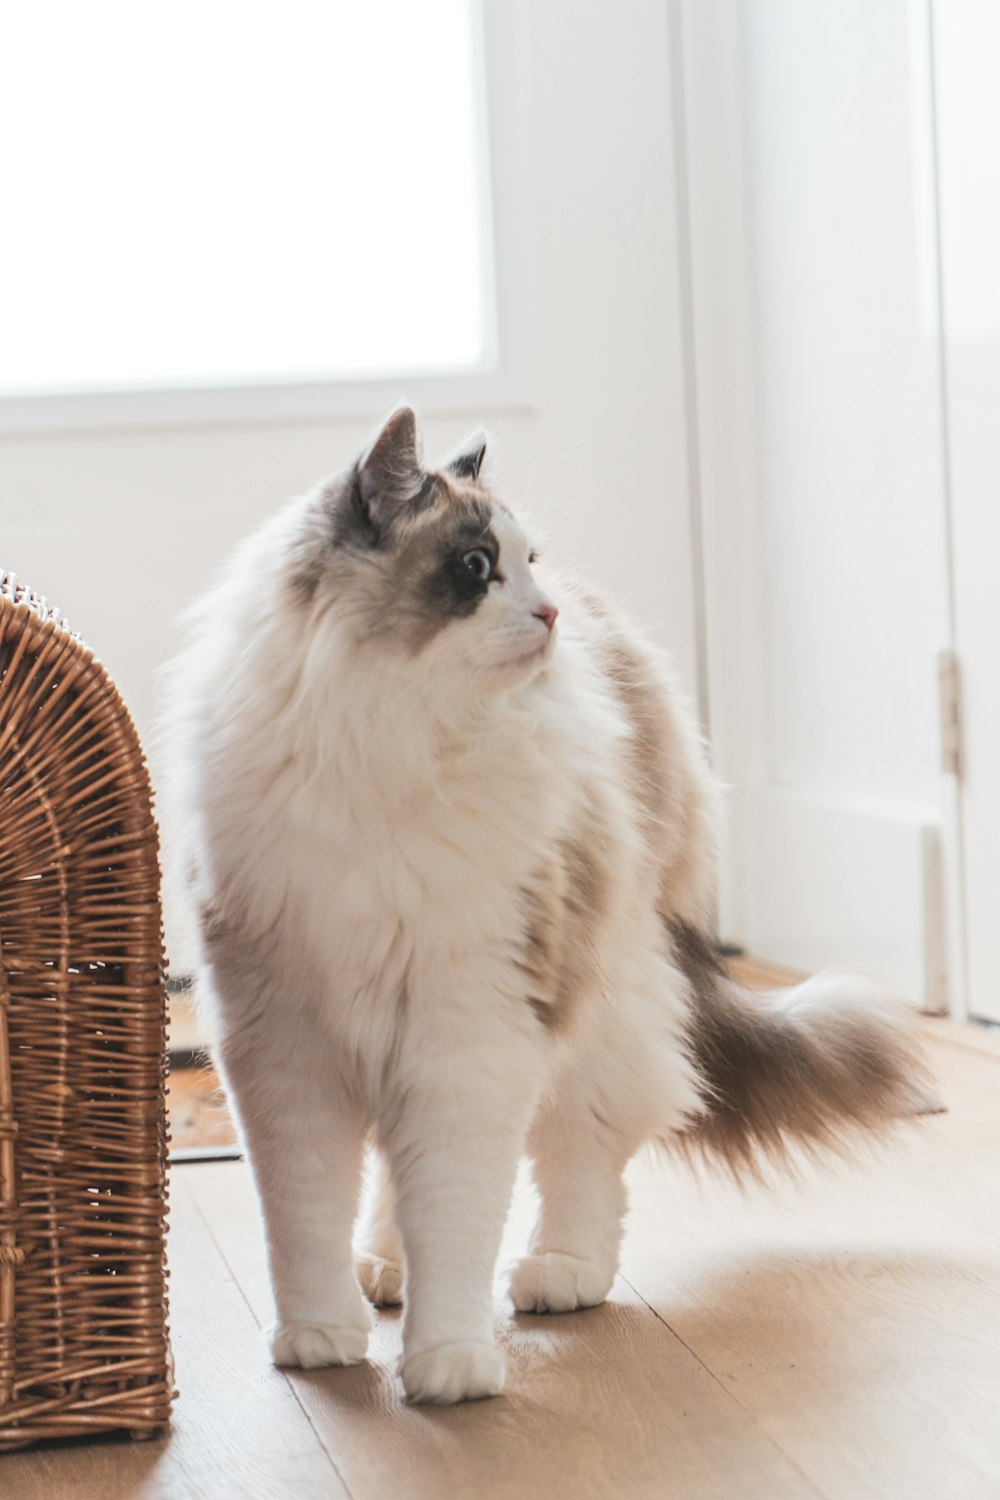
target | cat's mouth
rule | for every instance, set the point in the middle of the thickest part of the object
(535, 656)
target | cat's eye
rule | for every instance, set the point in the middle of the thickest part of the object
(479, 563)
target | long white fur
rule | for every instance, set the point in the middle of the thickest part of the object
(360, 828)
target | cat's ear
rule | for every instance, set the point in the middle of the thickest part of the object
(468, 461)
(389, 474)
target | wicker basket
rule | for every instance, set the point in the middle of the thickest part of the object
(83, 1335)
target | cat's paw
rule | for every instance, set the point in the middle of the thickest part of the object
(380, 1280)
(556, 1283)
(454, 1372)
(309, 1346)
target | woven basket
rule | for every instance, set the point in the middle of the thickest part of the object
(83, 1335)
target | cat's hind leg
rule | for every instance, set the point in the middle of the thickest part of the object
(578, 1156)
(630, 1080)
(378, 1244)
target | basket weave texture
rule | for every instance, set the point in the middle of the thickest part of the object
(83, 1331)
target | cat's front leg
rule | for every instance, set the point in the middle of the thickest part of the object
(304, 1138)
(454, 1137)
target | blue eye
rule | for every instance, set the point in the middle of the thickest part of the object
(479, 563)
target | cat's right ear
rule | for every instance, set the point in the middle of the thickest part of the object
(389, 474)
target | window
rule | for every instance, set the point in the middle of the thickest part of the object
(237, 194)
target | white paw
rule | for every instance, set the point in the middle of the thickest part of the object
(454, 1372)
(380, 1280)
(312, 1345)
(557, 1283)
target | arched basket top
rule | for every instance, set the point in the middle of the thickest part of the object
(83, 1333)
(17, 592)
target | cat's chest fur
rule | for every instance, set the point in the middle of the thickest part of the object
(407, 859)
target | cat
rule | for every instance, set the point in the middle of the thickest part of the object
(452, 838)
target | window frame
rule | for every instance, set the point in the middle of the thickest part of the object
(505, 379)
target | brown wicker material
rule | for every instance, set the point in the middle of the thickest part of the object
(83, 1336)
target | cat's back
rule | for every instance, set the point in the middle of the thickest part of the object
(662, 761)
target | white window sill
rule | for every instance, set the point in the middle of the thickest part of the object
(264, 403)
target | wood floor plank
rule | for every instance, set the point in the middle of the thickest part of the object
(758, 974)
(238, 1430)
(855, 1318)
(600, 1405)
(956, 1164)
(969, 1036)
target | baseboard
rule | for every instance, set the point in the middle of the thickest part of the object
(813, 884)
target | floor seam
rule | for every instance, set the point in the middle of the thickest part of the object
(821, 1494)
(298, 1400)
(985, 1044)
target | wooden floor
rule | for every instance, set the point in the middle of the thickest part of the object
(839, 1339)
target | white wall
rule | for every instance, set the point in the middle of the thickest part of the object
(851, 463)
(837, 625)
(121, 528)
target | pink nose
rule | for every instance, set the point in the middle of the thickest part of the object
(548, 613)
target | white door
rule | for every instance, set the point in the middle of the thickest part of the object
(967, 65)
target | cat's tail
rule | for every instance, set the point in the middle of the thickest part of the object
(810, 1067)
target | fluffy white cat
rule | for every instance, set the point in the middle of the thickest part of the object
(452, 840)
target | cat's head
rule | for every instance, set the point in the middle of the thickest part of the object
(427, 566)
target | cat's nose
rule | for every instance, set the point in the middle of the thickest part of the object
(548, 613)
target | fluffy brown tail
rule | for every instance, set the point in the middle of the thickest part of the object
(809, 1067)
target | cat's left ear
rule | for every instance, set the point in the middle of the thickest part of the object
(390, 474)
(468, 461)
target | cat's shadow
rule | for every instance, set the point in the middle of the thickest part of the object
(631, 1386)
(819, 1307)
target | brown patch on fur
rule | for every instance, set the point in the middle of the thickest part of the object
(536, 956)
(662, 765)
(644, 705)
(304, 579)
(213, 925)
(777, 1075)
(309, 553)
(586, 879)
(565, 905)
(541, 956)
